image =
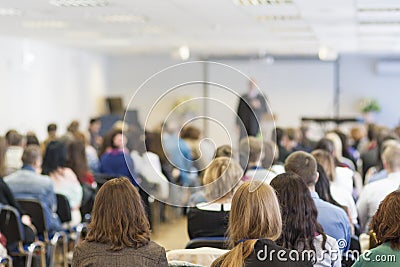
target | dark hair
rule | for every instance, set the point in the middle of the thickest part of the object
(76, 159)
(8, 133)
(114, 134)
(31, 139)
(322, 187)
(304, 165)
(278, 135)
(118, 217)
(52, 127)
(190, 132)
(224, 151)
(385, 223)
(325, 144)
(94, 120)
(31, 154)
(55, 157)
(299, 213)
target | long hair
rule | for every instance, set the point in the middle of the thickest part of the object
(254, 214)
(55, 157)
(118, 217)
(76, 159)
(385, 223)
(322, 187)
(299, 213)
(327, 161)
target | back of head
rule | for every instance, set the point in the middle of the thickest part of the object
(14, 139)
(3, 149)
(304, 165)
(254, 214)
(55, 157)
(326, 160)
(337, 144)
(325, 144)
(52, 128)
(269, 155)
(31, 155)
(221, 178)
(299, 213)
(224, 151)
(190, 132)
(250, 149)
(118, 216)
(385, 222)
(391, 158)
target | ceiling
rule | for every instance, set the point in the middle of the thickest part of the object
(209, 27)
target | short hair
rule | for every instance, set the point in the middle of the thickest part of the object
(304, 165)
(385, 223)
(94, 120)
(224, 151)
(325, 144)
(224, 174)
(118, 217)
(31, 154)
(270, 154)
(391, 157)
(251, 148)
(190, 132)
(52, 127)
(14, 139)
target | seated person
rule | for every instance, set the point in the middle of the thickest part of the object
(301, 230)
(220, 180)
(255, 224)
(385, 226)
(28, 183)
(119, 233)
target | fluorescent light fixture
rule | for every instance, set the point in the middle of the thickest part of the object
(326, 53)
(79, 3)
(45, 24)
(123, 18)
(10, 12)
(184, 52)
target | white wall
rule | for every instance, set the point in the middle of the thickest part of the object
(42, 83)
(359, 80)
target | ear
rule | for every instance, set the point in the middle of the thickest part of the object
(316, 177)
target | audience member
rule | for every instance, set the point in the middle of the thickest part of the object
(210, 217)
(255, 223)
(301, 230)
(31, 139)
(28, 183)
(386, 229)
(280, 137)
(374, 193)
(51, 136)
(224, 151)
(14, 151)
(117, 162)
(65, 181)
(119, 233)
(95, 140)
(77, 161)
(3, 150)
(333, 219)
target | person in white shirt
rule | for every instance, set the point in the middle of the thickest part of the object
(374, 193)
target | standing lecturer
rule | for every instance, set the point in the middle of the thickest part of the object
(251, 110)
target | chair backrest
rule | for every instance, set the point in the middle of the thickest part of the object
(10, 224)
(35, 210)
(212, 242)
(63, 208)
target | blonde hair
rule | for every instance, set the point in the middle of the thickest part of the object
(225, 174)
(326, 160)
(254, 214)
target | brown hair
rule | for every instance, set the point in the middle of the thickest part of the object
(3, 149)
(76, 159)
(251, 148)
(190, 132)
(385, 223)
(225, 174)
(118, 216)
(326, 160)
(224, 151)
(31, 154)
(254, 214)
(304, 165)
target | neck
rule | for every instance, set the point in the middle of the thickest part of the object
(311, 188)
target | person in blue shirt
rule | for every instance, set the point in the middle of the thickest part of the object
(332, 218)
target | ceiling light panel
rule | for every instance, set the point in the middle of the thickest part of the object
(45, 24)
(79, 3)
(123, 18)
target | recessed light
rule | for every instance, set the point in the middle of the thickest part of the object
(10, 12)
(79, 3)
(45, 24)
(123, 18)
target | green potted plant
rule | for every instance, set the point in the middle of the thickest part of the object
(369, 107)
